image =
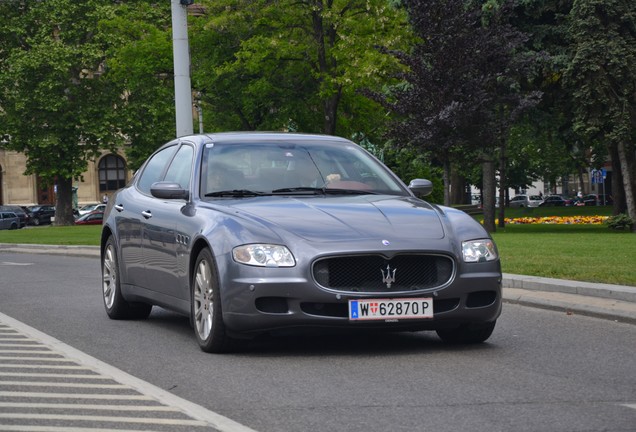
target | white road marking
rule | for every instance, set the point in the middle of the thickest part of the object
(74, 396)
(9, 263)
(52, 375)
(110, 407)
(148, 392)
(23, 366)
(40, 359)
(12, 428)
(62, 385)
(139, 420)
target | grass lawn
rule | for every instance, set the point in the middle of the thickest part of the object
(592, 253)
(46, 234)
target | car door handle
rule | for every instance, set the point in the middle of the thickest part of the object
(147, 214)
(119, 207)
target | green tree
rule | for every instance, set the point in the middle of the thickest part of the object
(462, 88)
(56, 108)
(139, 64)
(602, 79)
(295, 65)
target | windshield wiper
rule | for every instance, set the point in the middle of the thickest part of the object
(336, 191)
(235, 193)
(301, 190)
(323, 190)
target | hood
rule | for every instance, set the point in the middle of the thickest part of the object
(341, 218)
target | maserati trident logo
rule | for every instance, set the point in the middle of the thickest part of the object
(389, 277)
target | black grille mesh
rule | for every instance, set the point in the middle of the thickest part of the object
(365, 273)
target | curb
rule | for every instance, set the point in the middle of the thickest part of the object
(70, 250)
(606, 301)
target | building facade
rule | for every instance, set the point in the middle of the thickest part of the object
(103, 176)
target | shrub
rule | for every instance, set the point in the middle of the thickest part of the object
(620, 222)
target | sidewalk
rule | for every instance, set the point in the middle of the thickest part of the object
(613, 302)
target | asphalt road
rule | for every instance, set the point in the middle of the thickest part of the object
(540, 371)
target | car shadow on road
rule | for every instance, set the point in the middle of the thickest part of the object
(366, 343)
(321, 342)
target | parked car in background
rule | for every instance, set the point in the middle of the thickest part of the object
(555, 201)
(249, 233)
(20, 213)
(9, 220)
(591, 200)
(91, 207)
(93, 218)
(41, 214)
(525, 201)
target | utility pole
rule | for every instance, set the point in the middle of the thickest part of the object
(181, 58)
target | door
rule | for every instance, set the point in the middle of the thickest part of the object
(160, 240)
(131, 205)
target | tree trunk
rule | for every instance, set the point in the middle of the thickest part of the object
(581, 182)
(457, 188)
(330, 112)
(618, 192)
(446, 178)
(503, 185)
(64, 202)
(488, 189)
(627, 162)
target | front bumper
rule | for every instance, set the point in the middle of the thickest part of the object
(256, 304)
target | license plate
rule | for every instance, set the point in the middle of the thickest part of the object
(390, 309)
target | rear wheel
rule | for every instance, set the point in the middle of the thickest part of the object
(467, 333)
(206, 312)
(114, 303)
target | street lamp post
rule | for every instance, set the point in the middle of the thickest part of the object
(181, 58)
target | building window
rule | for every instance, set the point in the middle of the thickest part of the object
(112, 173)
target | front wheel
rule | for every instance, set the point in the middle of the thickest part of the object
(114, 303)
(206, 312)
(467, 333)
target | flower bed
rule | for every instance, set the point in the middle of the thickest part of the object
(566, 220)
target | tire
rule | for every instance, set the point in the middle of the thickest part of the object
(206, 312)
(36, 221)
(467, 333)
(114, 303)
(13, 227)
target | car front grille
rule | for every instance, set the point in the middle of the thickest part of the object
(377, 274)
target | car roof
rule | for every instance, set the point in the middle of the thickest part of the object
(258, 137)
(241, 137)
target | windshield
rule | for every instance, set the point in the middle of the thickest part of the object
(250, 169)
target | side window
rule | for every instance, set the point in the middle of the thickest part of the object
(154, 169)
(181, 167)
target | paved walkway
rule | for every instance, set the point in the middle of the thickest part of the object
(615, 302)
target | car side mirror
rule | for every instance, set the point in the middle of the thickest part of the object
(168, 190)
(421, 187)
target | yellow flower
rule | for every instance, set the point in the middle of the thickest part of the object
(569, 220)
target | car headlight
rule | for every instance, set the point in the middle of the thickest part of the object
(263, 255)
(479, 250)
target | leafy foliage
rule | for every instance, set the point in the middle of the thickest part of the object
(294, 65)
(140, 65)
(52, 92)
(620, 222)
(602, 79)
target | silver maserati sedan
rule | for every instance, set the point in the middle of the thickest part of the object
(248, 233)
